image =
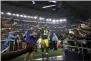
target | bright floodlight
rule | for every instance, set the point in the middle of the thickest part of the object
(25, 16)
(64, 19)
(21, 16)
(2, 12)
(61, 20)
(41, 18)
(35, 17)
(53, 1)
(49, 19)
(53, 21)
(17, 15)
(48, 6)
(13, 14)
(33, 2)
(29, 17)
(57, 20)
(8, 13)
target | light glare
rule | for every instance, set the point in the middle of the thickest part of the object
(17, 15)
(64, 19)
(28, 16)
(48, 6)
(2, 12)
(41, 18)
(49, 19)
(13, 14)
(35, 17)
(57, 20)
(8, 13)
(54, 21)
(61, 20)
(25, 16)
(32, 17)
(21, 16)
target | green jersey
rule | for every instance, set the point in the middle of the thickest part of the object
(45, 33)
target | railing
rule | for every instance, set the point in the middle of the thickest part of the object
(74, 55)
(12, 46)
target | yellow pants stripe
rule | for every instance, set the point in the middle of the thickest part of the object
(45, 42)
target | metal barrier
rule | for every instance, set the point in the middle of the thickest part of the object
(12, 46)
(5, 50)
(78, 52)
(14, 51)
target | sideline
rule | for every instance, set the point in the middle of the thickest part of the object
(57, 58)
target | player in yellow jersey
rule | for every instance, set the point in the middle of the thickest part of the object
(45, 40)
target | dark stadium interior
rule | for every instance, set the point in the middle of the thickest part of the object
(73, 13)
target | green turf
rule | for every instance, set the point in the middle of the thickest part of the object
(38, 55)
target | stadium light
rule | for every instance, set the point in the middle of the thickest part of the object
(57, 20)
(48, 6)
(61, 20)
(8, 13)
(49, 19)
(53, 21)
(13, 14)
(64, 20)
(28, 16)
(17, 15)
(25, 16)
(2, 12)
(31, 17)
(41, 18)
(53, 1)
(35, 17)
(33, 2)
(21, 16)
(46, 19)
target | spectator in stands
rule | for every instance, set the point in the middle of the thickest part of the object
(65, 41)
(54, 41)
(17, 42)
(85, 28)
(10, 41)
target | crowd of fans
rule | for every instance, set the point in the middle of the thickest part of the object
(83, 31)
(41, 37)
(77, 43)
(30, 38)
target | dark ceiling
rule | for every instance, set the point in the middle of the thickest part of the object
(73, 11)
(69, 9)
